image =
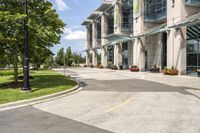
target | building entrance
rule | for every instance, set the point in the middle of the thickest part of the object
(193, 49)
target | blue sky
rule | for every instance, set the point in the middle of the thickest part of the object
(73, 13)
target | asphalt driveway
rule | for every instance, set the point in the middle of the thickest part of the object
(110, 102)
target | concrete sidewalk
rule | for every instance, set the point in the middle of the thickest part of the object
(107, 74)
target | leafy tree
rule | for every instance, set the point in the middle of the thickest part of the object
(49, 62)
(77, 58)
(44, 26)
(60, 57)
(68, 57)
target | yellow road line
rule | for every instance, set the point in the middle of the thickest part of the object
(119, 105)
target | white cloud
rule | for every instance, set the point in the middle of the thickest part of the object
(72, 33)
(62, 6)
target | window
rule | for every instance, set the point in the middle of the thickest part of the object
(127, 15)
(155, 10)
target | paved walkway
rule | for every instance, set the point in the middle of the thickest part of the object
(107, 74)
(113, 101)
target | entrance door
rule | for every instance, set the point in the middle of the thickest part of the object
(164, 50)
(125, 55)
(193, 49)
(110, 55)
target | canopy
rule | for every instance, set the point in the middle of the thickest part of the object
(191, 20)
(118, 38)
(152, 31)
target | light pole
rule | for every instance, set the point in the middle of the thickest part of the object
(26, 86)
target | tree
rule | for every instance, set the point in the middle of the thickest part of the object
(44, 25)
(68, 57)
(77, 58)
(49, 62)
(60, 57)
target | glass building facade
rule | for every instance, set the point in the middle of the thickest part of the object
(110, 21)
(193, 49)
(127, 16)
(155, 10)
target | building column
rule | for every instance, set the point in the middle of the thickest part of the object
(94, 43)
(87, 58)
(104, 56)
(139, 54)
(117, 30)
(176, 41)
(139, 43)
(88, 46)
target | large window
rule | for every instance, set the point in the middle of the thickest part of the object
(125, 55)
(193, 49)
(127, 15)
(90, 36)
(99, 32)
(110, 21)
(110, 55)
(155, 10)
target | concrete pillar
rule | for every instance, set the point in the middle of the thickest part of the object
(139, 53)
(176, 41)
(94, 43)
(139, 43)
(87, 58)
(88, 45)
(104, 56)
(117, 30)
(118, 55)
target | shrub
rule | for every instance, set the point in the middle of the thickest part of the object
(9, 72)
(170, 71)
(134, 68)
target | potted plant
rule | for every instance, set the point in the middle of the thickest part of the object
(170, 71)
(134, 68)
(92, 66)
(100, 66)
(198, 72)
(155, 69)
(114, 67)
(85, 65)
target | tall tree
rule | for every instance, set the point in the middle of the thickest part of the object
(60, 57)
(44, 26)
(68, 57)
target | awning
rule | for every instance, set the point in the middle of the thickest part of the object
(152, 31)
(188, 21)
(86, 22)
(118, 38)
(94, 15)
(90, 49)
(105, 6)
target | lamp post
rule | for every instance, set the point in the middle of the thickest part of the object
(26, 86)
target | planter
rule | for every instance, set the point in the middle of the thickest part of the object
(155, 70)
(92, 66)
(100, 67)
(134, 69)
(198, 72)
(170, 72)
(114, 67)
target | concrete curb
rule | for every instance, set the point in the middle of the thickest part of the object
(41, 99)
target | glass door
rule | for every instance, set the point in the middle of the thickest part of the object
(193, 49)
(125, 55)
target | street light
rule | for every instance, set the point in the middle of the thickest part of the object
(26, 86)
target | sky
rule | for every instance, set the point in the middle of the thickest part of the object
(73, 13)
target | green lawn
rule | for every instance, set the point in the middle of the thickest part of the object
(44, 82)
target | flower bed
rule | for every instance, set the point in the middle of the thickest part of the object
(170, 71)
(134, 69)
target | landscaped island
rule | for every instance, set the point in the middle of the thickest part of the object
(43, 82)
